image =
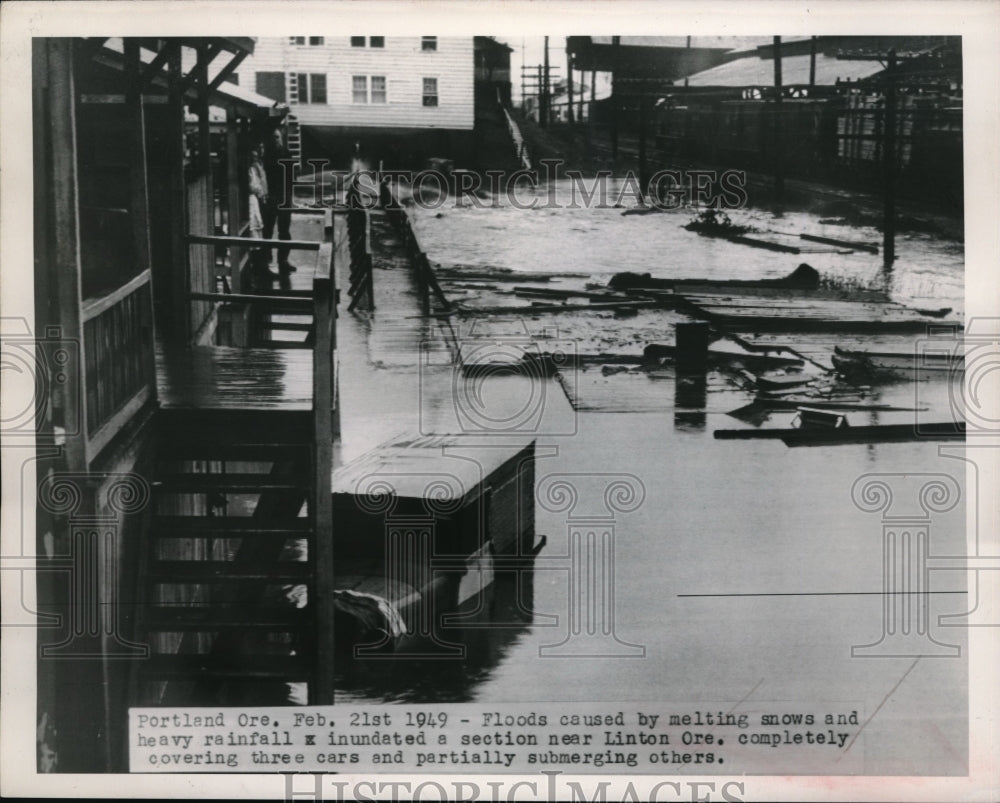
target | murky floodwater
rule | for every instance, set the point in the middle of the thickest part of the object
(556, 237)
(745, 572)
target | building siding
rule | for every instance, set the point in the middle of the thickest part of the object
(404, 65)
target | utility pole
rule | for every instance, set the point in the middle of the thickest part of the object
(812, 63)
(615, 44)
(689, 66)
(548, 96)
(889, 166)
(541, 98)
(779, 177)
(569, 84)
(643, 178)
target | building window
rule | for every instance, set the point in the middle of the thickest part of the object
(428, 43)
(357, 41)
(317, 87)
(376, 41)
(316, 41)
(311, 87)
(296, 40)
(378, 89)
(271, 85)
(359, 89)
(430, 92)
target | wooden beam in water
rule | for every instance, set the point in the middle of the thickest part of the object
(886, 433)
(871, 249)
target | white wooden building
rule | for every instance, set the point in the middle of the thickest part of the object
(399, 98)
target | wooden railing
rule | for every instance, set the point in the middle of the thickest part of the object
(118, 355)
(426, 280)
(359, 239)
(515, 135)
(239, 250)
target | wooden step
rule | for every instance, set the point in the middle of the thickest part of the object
(221, 571)
(213, 618)
(185, 448)
(291, 327)
(250, 667)
(227, 483)
(266, 343)
(228, 527)
(224, 425)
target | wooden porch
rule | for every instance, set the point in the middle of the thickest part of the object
(216, 398)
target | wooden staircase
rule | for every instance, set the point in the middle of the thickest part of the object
(218, 577)
(236, 569)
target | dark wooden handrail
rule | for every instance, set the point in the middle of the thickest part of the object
(252, 242)
(321, 688)
(239, 298)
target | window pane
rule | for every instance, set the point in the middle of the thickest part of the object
(317, 87)
(376, 41)
(378, 89)
(315, 40)
(359, 89)
(303, 84)
(297, 40)
(271, 85)
(428, 43)
(430, 92)
(357, 41)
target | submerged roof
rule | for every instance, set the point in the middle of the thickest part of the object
(753, 70)
(438, 467)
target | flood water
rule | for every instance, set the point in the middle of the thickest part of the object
(556, 237)
(746, 573)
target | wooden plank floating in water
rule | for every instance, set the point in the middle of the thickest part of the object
(885, 433)
(780, 313)
(869, 247)
(766, 244)
(715, 356)
(618, 305)
(903, 361)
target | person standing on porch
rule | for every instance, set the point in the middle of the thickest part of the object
(258, 203)
(278, 166)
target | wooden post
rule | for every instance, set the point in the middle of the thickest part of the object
(233, 198)
(889, 166)
(66, 223)
(139, 187)
(321, 688)
(180, 306)
(692, 347)
(779, 175)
